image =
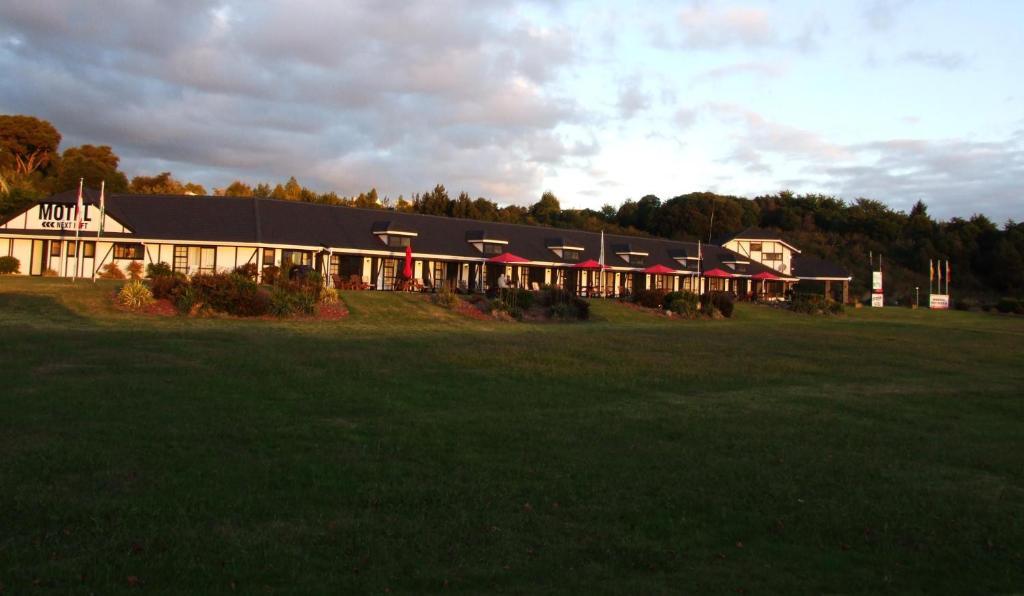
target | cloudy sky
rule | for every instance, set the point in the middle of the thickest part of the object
(597, 101)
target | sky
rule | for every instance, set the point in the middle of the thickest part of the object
(895, 100)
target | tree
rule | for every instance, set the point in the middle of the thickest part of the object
(161, 184)
(94, 164)
(292, 189)
(547, 210)
(237, 189)
(27, 143)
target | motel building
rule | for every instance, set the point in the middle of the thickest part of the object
(365, 248)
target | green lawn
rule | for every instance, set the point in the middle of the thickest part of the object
(409, 449)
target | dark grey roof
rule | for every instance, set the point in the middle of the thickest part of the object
(276, 222)
(810, 267)
(756, 234)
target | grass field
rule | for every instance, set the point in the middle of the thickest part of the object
(407, 449)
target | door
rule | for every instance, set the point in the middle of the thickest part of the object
(39, 252)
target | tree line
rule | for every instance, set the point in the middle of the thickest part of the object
(987, 258)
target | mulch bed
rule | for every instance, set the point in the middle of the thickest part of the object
(164, 308)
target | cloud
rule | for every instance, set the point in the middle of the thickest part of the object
(752, 69)
(955, 177)
(343, 95)
(941, 60)
(632, 99)
(881, 15)
(701, 26)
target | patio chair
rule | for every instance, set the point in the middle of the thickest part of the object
(535, 286)
(339, 284)
(355, 282)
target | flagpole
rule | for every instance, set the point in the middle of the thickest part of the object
(78, 225)
(103, 210)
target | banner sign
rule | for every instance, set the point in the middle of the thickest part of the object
(938, 302)
(59, 216)
(876, 282)
(877, 300)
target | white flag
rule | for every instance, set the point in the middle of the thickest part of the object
(78, 206)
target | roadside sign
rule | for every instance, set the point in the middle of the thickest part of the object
(938, 302)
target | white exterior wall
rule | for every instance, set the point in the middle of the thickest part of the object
(742, 246)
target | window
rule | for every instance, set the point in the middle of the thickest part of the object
(207, 259)
(437, 272)
(491, 249)
(181, 259)
(269, 255)
(72, 249)
(635, 259)
(771, 256)
(398, 241)
(570, 255)
(55, 249)
(128, 251)
(755, 247)
(390, 271)
(89, 250)
(297, 257)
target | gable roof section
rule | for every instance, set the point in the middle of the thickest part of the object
(761, 234)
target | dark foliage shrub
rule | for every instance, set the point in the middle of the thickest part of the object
(168, 286)
(187, 299)
(550, 295)
(231, 293)
(286, 301)
(965, 304)
(524, 298)
(723, 302)
(9, 265)
(650, 298)
(134, 270)
(582, 309)
(160, 269)
(248, 271)
(815, 304)
(684, 304)
(1010, 305)
(271, 274)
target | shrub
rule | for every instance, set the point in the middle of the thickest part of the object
(965, 304)
(271, 274)
(1010, 305)
(562, 310)
(161, 269)
(328, 296)
(445, 297)
(168, 286)
(111, 271)
(230, 293)
(9, 265)
(249, 270)
(134, 270)
(684, 304)
(815, 304)
(723, 302)
(582, 308)
(187, 299)
(650, 298)
(550, 295)
(134, 294)
(285, 302)
(49, 273)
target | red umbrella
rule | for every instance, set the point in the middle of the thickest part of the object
(718, 273)
(764, 275)
(507, 257)
(590, 264)
(407, 272)
(660, 270)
